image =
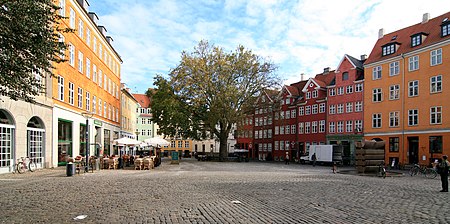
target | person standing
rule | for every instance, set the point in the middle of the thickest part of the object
(443, 171)
(286, 159)
(314, 159)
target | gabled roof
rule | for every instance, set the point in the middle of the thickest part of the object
(143, 100)
(403, 38)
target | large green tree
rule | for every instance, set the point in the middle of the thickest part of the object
(210, 91)
(29, 45)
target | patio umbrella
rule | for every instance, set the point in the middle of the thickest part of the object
(156, 142)
(126, 142)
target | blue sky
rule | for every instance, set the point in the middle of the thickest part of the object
(302, 36)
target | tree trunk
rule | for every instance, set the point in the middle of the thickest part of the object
(223, 152)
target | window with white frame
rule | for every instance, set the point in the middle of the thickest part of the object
(416, 40)
(315, 94)
(71, 93)
(60, 88)
(277, 144)
(88, 101)
(340, 126)
(413, 87)
(436, 84)
(413, 117)
(332, 109)
(288, 114)
(376, 73)
(88, 68)
(307, 127)
(349, 107)
(265, 134)
(322, 126)
(180, 144)
(348, 126)
(349, 89)
(340, 108)
(62, 51)
(394, 92)
(288, 129)
(293, 129)
(80, 28)
(445, 28)
(105, 82)
(80, 97)
(394, 119)
(62, 8)
(332, 92)
(94, 44)
(88, 36)
(277, 130)
(71, 55)
(301, 111)
(340, 90)
(94, 73)
(308, 95)
(72, 18)
(358, 125)
(307, 110)
(269, 133)
(282, 130)
(105, 110)
(377, 95)
(358, 106)
(94, 104)
(99, 106)
(322, 108)
(436, 57)
(256, 134)
(436, 115)
(394, 68)
(332, 127)
(358, 87)
(388, 49)
(314, 126)
(80, 61)
(376, 120)
(413, 63)
(300, 128)
(287, 100)
(315, 109)
(281, 145)
(293, 113)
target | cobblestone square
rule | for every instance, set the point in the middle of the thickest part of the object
(213, 192)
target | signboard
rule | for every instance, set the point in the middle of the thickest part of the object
(175, 158)
(97, 122)
(250, 145)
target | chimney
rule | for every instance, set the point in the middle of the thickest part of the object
(326, 70)
(109, 39)
(380, 33)
(363, 57)
(93, 17)
(302, 76)
(84, 4)
(425, 17)
(102, 30)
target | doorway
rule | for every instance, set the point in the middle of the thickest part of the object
(413, 150)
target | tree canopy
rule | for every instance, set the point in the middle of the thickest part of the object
(210, 91)
(29, 45)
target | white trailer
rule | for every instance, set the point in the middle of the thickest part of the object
(324, 154)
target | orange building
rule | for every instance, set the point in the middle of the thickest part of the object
(406, 96)
(87, 86)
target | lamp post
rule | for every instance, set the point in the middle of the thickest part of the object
(137, 139)
(87, 115)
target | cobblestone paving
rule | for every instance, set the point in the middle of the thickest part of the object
(212, 192)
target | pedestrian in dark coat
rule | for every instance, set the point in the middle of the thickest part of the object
(443, 171)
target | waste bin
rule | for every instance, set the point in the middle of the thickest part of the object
(70, 169)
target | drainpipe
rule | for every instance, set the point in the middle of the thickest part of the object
(403, 109)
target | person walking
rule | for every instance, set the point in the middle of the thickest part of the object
(314, 158)
(443, 171)
(286, 159)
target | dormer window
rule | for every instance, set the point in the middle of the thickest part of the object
(416, 40)
(388, 49)
(445, 27)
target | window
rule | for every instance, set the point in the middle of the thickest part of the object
(349, 89)
(358, 106)
(105, 110)
(288, 114)
(315, 94)
(288, 129)
(80, 28)
(332, 92)
(322, 126)
(376, 120)
(413, 63)
(88, 101)
(394, 144)
(80, 61)
(308, 95)
(322, 108)
(72, 18)
(436, 57)
(62, 6)
(80, 97)
(105, 81)
(393, 119)
(349, 126)
(340, 126)
(71, 55)
(71, 89)
(293, 113)
(314, 127)
(436, 115)
(344, 76)
(377, 95)
(436, 84)
(61, 40)
(413, 117)
(287, 101)
(359, 87)
(445, 28)
(358, 126)
(94, 73)
(314, 109)
(94, 104)
(307, 127)
(349, 107)
(416, 40)
(301, 111)
(376, 73)
(100, 77)
(180, 144)
(99, 106)
(332, 127)
(388, 49)
(88, 68)
(60, 88)
(94, 44)
(332, 109)
(394, 92)
(300, 128)
(413, 87)
(293, 129)
(394, 68)
(435, 144)
(88, 37)
(340, 108)
(340, 91)
(308, 110)
(281, 130)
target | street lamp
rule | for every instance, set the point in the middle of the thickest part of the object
(87, 115)
(137, 139)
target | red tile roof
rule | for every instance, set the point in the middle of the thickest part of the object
(143, 100)
(403, 36)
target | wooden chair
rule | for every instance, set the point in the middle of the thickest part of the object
(113, 163)
(138, 164)
(105, 163)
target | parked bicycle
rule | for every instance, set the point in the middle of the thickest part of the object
(382, 170)
(24, 164)
(425, 171)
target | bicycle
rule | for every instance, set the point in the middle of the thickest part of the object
(382, 170)
(24, 164)
(427, 172)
